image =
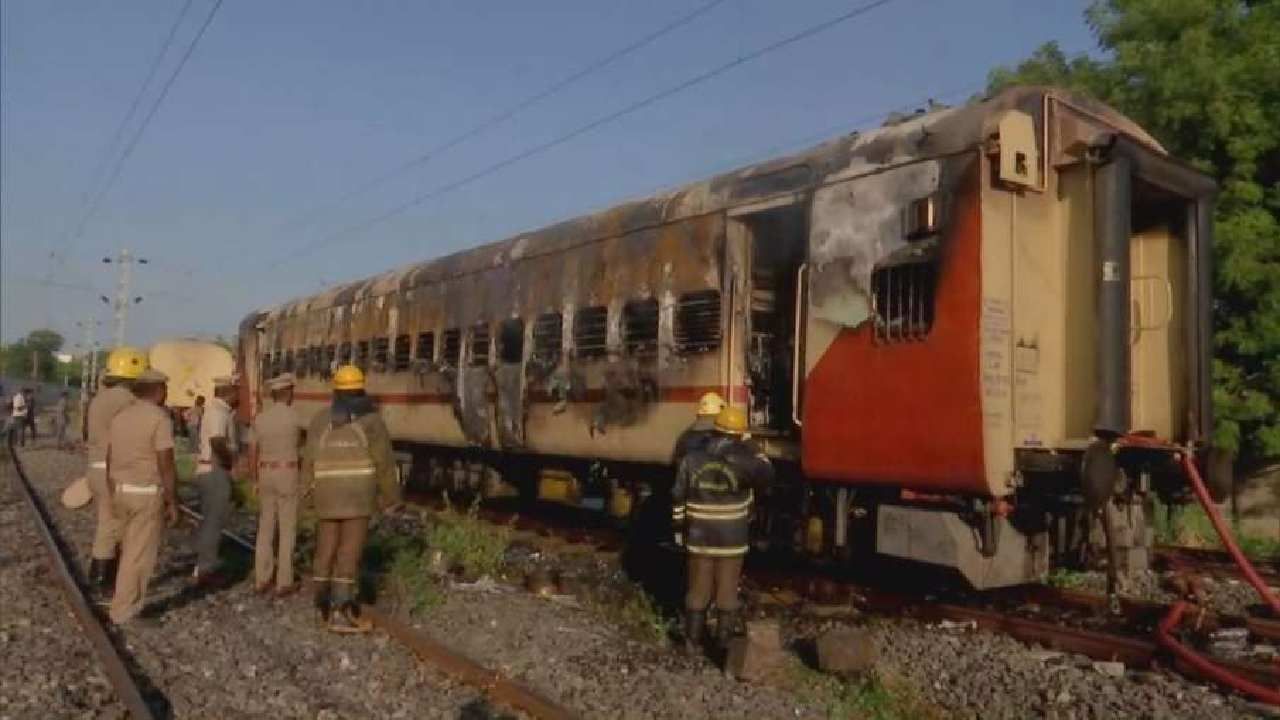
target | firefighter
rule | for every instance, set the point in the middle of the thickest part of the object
(350, 471)
(124, 366)
(711, 514)
(702, 429)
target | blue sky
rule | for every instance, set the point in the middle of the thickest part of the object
(286, 106)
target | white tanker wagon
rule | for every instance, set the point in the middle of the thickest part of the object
(191, 365)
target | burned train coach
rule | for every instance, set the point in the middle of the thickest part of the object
(961, 336)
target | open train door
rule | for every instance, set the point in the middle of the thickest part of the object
(769, 243)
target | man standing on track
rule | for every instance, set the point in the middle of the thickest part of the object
(30, 394)
(18, 419)
(213, 479)
(273, 459)
(348, 465)
(711, 512)
(61, 419)
(141, 474)
(124, 366)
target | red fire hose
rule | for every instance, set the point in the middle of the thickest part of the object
(1164, 632)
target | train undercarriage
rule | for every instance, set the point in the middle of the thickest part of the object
(1073, 510)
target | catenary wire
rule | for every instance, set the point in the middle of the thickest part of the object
(146, 121)
(110, 150)
(582, 130)
(505, 115)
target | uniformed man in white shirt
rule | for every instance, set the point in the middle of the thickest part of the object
(213, 478)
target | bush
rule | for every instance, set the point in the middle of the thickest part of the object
(468, 542)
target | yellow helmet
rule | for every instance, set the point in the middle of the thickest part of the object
(126, 362)
(732, 420)
(348, 377)
(710, 404)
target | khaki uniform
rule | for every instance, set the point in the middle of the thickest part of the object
(137, 433)
(350, 471)
(276, 431)
(102, 410)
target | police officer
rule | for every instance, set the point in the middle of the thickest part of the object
(711, 512)
(124, 366)
(273, 451)
(347, 465)
(141, 474)
(213, 478)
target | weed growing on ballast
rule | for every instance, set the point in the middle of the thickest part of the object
(467, 541)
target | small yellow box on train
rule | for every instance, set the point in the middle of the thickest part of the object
(558, 486)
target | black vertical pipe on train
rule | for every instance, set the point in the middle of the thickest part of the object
(1201, 275)
(1111, 231)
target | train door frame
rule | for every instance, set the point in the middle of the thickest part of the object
(788, 217)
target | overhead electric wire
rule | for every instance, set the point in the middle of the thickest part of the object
(583, 129)
(507, 114)
(110, 149)
(146, 122)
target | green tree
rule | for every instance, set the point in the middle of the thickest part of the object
(39, 345)
(1203, 77)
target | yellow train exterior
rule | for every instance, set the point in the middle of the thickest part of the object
(191, 365)
(929, 324)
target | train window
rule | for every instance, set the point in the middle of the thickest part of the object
(319, 361)
(288, 361)
(591, 332)
(902, 300)
(548, 338)
(698, 321)
(640, 326)
(330, 359)
(344, 353)
(402, 349)
(362, 355)
(426, 347)
(479, 355)
(266, 366)
(511, 341)
(451, 347)
(277, 361)
(381, 353)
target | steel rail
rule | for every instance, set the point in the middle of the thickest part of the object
(491, 682)
(113, 663)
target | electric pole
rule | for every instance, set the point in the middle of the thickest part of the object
(124, 280)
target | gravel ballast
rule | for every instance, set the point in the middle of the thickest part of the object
(233, 654)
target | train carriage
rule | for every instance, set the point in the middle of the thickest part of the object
(945, 330)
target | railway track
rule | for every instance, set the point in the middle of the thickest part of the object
(114, 663)
(494, 684)
(1212, 562)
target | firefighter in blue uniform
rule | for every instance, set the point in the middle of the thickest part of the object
(711, 515)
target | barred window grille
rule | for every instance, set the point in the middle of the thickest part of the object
(698, 321)
(288, 361)
(381, 353)
(401, 354)
(640, 327)
(479, 356)
(362, 355)
(344, 353)
(548, 338)
(426, 349)
(330, 360)
(266, 366)
(451, 350)
(591, 332)
(511, 341)
(903, 300)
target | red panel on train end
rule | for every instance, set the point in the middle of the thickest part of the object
(908, 413)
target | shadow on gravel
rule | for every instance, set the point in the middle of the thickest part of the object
(480, 709)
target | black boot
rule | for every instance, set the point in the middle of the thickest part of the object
(726, 627)
(98, 587)
(695, 623)
(324, 603)
(345, 617)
